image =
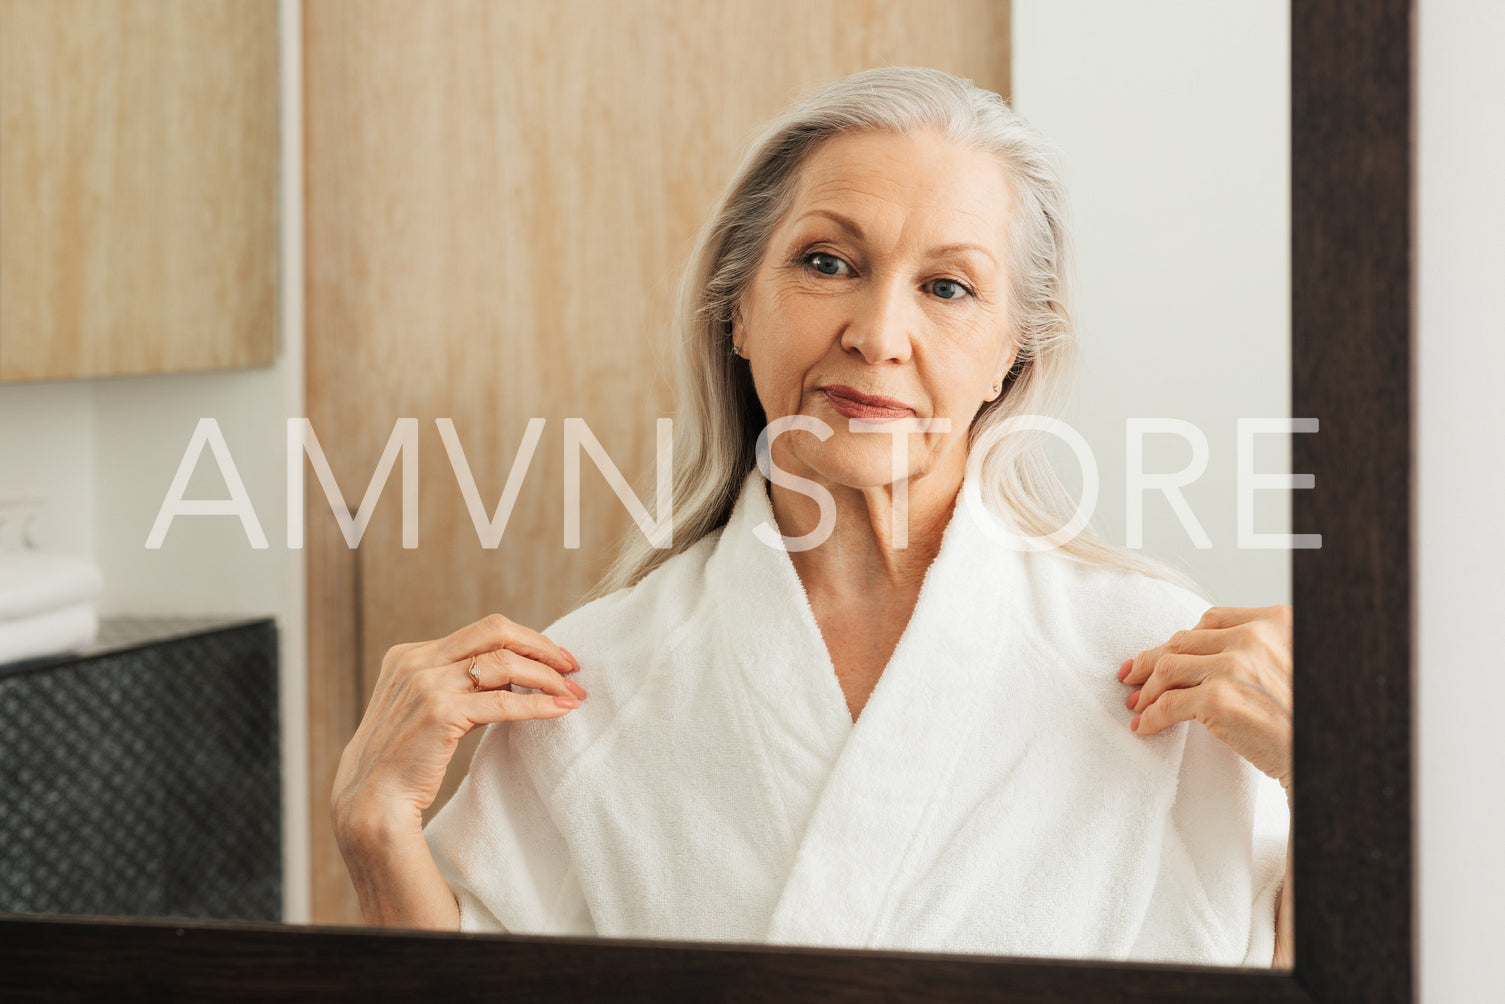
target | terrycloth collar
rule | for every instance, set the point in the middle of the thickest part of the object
(769, 627)
(871, 784)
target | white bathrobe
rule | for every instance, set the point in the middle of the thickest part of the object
(990, 797)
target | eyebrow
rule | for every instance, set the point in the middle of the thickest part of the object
(851, 226)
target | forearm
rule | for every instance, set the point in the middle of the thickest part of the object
(396, 878)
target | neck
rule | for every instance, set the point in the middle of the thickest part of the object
(879, 544)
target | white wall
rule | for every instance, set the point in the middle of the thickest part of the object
(1172, 119)
(1460, 546)
(38, 424)
(103, 454)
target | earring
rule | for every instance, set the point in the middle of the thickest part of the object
(736, 349)
(997, 387)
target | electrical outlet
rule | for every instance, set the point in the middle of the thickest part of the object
(20, 521)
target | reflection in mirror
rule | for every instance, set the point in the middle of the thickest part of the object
(913, 735)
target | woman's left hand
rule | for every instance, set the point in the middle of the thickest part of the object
(1232, 673)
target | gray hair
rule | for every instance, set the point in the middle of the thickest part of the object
(720, 416)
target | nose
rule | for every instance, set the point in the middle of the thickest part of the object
(881, 324)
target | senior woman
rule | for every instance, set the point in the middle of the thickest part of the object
(861, 700)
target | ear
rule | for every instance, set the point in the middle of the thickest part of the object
(733, 331)
(995, 390)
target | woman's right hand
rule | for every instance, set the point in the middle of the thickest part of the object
(426, 701)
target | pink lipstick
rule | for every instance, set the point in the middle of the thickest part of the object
(853, 403)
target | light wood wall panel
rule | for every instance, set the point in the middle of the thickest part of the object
(499, 199)
(138, 186)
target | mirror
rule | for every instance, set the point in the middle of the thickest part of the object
(612, 193)
(355, 475)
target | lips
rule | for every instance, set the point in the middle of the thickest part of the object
(852, 403)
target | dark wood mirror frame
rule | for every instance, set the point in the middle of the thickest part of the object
(1352, 168)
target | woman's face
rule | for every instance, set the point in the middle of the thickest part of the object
(882, 296)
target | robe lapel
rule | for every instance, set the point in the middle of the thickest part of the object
(767, 631)
(905, 745)
(972, 708)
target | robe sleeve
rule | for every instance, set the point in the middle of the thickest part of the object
(1233, 822)
(1272, 828)
(500, 852)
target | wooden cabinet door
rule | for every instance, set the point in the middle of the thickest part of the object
(138, 186)
(499, 199)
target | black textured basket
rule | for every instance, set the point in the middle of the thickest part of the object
(142, 777)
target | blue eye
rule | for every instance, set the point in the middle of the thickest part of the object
(827, 264)
(949, 289)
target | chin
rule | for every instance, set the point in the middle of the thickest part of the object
(867, 463)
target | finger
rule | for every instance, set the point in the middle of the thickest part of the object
(1173, 672)
(502, 667)
(1172, 707)
(401, 649)
(395, 656)
(487, 706)
(1143, 664)
(1226, 617)
(1197, 641)
(495, 631)
(1256, 728)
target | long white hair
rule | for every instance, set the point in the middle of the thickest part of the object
(719, 419)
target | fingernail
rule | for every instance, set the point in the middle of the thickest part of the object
(1134, 725)
(1133, 699)
(576, 689)
(574, 661)
(1123, 670)
(566, 702)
